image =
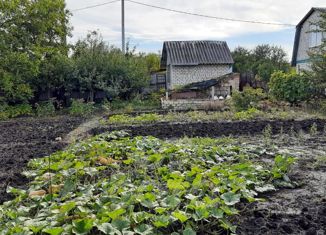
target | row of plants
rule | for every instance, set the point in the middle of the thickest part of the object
(115, 184)
(46, 109)
(197, 116)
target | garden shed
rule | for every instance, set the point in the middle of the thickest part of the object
(215, 88)
(188, 62)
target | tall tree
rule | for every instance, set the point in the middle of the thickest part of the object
(99, 66)
(31, 33)
(262, 61)
(243, 60)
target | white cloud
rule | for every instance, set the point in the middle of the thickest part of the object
(154, 25)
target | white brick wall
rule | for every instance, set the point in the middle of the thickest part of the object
(182, 75)
(194, 104)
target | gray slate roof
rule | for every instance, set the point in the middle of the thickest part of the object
(298, 32)
(195, 53)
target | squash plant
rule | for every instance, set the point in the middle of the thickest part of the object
(114, 184)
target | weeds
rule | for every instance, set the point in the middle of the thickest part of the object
(267, 133)
(320, 162)
(281, 133)
(44, 109)
(301, 136)
(7, 111)
(313, 129)
(80, 108)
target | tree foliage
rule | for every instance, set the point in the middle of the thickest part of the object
(290, 87)
(262, 61)
(98, 66)
(35, 60)
(153, 61)
(31, 32)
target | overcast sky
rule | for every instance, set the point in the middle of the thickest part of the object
(147, 28)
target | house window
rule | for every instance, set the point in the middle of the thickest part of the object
(315, 36)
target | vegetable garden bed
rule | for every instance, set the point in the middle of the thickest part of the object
(214, 129)
(115, 184)
(111, 166)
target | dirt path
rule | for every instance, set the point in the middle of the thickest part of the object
(82, 131)
(26, 138)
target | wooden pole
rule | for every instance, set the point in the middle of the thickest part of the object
(123, 44)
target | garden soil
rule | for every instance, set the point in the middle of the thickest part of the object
(25, 138)
(299, 210)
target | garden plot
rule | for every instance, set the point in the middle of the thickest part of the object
(116, 184)
(120, 184)
(295, 209)
(26, 138)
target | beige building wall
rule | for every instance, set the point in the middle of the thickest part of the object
(303, 62)
(182, 75)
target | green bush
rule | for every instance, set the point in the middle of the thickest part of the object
(45, 108)
(290, 87)
(80, 108)
(247, 99)
(249, 114)
(7, 111)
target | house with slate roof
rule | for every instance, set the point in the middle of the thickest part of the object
(196, 74)
(307, 38)
(187, 62)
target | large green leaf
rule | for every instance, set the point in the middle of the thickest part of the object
(144, 229)
(53, 231)
(171, 201)
(65, 208)
(180, 215)
(217, 213)
(116, 213)
(121, 225)
(188, 231)
(82, 226)
(161, 221)
(230, 198)
(107, 228)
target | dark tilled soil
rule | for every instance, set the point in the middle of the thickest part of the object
(213, 129)
(26, 138)
(300, 210)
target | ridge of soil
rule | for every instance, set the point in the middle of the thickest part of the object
(25, 138)
(212, 129)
